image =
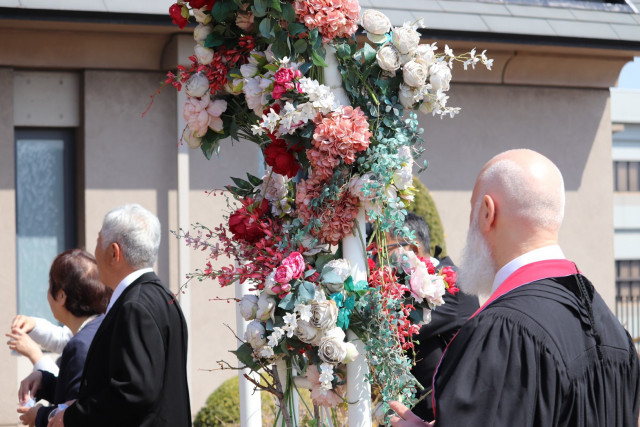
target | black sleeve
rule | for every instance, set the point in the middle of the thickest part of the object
(496, 374)
(42, 417)
(136, 371)
(70, 375)
(48, 387)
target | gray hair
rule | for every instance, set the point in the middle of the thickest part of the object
(539, 205)
(136, 231)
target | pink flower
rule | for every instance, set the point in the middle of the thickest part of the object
(278, 91)
(284, 274)
(333, 18)
(284, 75)
(296, 263)
(202, 114)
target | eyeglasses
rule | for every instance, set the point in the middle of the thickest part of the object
(390, 248)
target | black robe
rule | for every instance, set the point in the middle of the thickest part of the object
(433, 338)
(531, 359)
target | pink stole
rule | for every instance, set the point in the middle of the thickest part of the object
(524, 275)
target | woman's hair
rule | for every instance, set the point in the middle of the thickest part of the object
(76, 273)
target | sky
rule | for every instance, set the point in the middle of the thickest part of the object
(630, 75)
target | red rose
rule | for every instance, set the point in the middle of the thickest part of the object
(245, 225)
(281, 160)
(177, 14)
(197, 4)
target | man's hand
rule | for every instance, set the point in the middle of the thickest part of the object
(24, 323)
(24, 344)
(28, 416)
(57, 420)
(29, 386)
(405, 417)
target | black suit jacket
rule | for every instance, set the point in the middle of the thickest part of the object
(135, 373)
(446, 320)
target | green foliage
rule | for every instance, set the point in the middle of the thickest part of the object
(223, 406)
(424, 206)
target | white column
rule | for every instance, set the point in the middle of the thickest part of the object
(250, 402)
(358, 388)
(353, 247)
(184, 254)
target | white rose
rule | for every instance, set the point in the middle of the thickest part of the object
(358, 183)
(266, 307)
(405, 39)
(192, 140)
(197, 85)
(201, 32)
(436, 291)
(255, 335)
(333, 349)
(403, 178)
(274, 186)
(324, 314)
(248, 307)
(414, 73)
(440, 76)
(307, 333)
(425, 55)
(201, 16)
(388, 58)
(204, 55)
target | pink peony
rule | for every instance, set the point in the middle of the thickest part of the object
(284, 274)
(202, 114)
(296, 263)
(284, 75)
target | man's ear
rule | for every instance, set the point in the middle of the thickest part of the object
(61, 298)
(115, 253)
(487, 213)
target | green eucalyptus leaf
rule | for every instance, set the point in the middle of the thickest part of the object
(296, 28)
(275, 4)
(261, 6)
(288, 13)
(265, 27)
(300, 45)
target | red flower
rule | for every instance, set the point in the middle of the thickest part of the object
(177, 12)
(450, 276)
(280, 158)
(245, 222)
(197, 4)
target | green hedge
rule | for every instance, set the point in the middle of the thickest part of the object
(424, 206)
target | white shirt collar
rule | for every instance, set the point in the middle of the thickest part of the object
(434, 261)
(540, 254)
(124, 283)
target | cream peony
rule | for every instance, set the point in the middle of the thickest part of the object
(204, 55)
(274, 186)
(197, 85)
(255, 335)
(248, 307)
(266, 307)
(440, 76)
(201, 16)
(388, 58)
(376, 24)
(405, 39)
(192, 140)
(414, 73)
(201, 33)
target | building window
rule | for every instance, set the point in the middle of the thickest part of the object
(626, 176)
(628, 296)
(45, 205)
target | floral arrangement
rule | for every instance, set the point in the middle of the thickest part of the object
(258, 74)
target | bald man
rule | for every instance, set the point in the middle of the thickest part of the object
(544, 350)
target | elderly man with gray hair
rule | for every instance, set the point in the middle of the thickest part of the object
(135, 371)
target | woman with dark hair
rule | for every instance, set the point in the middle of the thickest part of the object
(78, 300)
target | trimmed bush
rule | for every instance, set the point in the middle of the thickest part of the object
(424, 206)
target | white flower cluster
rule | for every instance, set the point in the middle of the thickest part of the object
(291, 117)
(426, 75)
(313, 323)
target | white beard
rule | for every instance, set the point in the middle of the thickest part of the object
(477, 270)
